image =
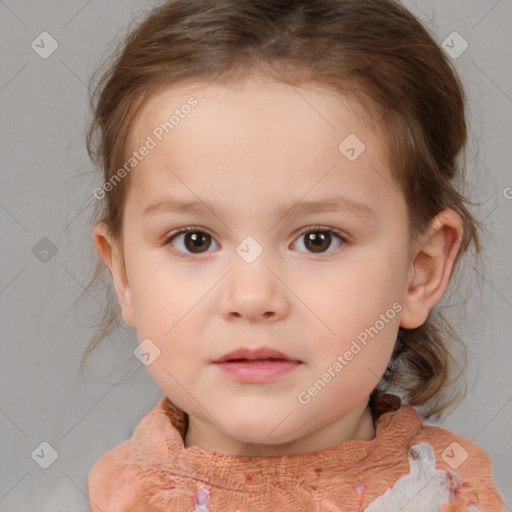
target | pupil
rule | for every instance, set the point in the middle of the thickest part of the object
(320, 240)
(197, 239)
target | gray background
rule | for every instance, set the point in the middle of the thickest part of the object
(46, 193)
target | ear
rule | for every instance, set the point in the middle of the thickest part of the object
(109, 251)
(429, 275)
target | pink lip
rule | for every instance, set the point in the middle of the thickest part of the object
(257, 371)
(258, 354)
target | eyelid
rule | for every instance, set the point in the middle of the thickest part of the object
(186, 229)
(336, 231)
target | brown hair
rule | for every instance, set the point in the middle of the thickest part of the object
(373, 51)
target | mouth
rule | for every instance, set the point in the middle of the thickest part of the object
(257, 371)
(255, 361)
(258, 356)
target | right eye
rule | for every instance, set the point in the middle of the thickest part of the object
(190, 240)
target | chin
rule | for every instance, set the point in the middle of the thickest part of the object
(256, 434)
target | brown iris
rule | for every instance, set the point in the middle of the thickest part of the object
(196, 240)
(317, 241)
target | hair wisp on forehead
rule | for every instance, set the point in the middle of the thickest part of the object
(372, 51)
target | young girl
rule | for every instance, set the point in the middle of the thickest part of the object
(280, 217)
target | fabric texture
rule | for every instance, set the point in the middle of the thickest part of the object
(407, 467)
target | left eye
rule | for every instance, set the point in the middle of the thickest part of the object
(318, 240)
(194, 241)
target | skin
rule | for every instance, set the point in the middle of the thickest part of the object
(245, 150)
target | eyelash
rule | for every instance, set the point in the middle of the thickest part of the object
(339, 234)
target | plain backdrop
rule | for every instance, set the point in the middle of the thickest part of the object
(47, 254)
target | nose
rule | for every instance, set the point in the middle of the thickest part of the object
(253, 291)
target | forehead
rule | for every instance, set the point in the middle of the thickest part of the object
(277, 104)
(258, 131)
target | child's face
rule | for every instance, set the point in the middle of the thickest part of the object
(245, 155)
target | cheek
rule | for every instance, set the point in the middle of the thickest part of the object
(170, 304)
(162, 287)
(359, 289)
(359, 307)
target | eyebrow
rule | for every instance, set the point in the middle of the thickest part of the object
(336, 203)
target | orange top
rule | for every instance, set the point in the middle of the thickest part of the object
(407, 466)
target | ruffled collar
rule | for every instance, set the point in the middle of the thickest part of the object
(159, 444)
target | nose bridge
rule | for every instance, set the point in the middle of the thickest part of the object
(252, 289)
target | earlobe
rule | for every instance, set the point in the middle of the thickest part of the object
(431, 269)
(108, 250)
(127, 308)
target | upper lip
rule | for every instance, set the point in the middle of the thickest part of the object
(260, 353)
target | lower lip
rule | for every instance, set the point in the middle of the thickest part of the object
(257, 372)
